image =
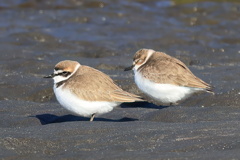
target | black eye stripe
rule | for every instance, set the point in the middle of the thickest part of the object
(64, 74)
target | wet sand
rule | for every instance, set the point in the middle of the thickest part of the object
(34, 36)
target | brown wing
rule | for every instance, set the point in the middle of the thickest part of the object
(168, 70)
(96, 86)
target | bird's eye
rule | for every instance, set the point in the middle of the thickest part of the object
(139, 61)
(65, 73)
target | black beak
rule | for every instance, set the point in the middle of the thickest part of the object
(129, 68)
(49, 76)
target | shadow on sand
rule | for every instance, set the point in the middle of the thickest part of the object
(50, 118)
(142, 105)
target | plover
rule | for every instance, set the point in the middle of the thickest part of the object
(164, 78)
(86, 91)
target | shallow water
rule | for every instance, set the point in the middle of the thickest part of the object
(35, 35)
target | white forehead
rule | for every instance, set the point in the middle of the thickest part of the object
(58, 71)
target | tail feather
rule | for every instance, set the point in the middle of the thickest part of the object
(123, 96)
(210, 89)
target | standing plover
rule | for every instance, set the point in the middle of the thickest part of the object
(86, 91)
(165, 78)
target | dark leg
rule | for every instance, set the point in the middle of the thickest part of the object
(92, 117)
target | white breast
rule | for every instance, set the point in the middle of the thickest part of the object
(82, 107)
(165, 93)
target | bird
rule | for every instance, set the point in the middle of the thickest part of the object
(164, 78)
(86, 91)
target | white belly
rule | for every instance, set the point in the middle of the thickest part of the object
(165, 93)
(82, 107)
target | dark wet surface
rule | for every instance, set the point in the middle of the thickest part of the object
(35, 35)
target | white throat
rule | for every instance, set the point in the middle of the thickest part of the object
(150, 52)
(61, 78)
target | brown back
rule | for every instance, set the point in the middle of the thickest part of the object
(96, 86)
(164, 69)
